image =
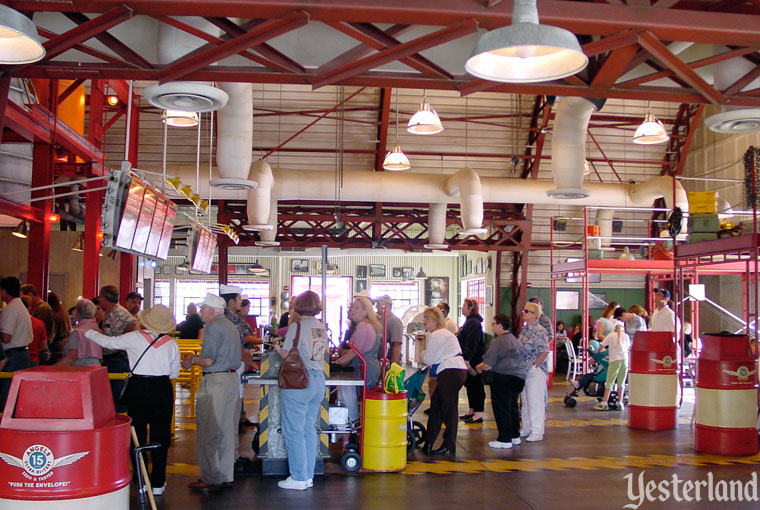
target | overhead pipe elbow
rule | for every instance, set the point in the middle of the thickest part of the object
(569, 147)
(466, 184)
(436, 226)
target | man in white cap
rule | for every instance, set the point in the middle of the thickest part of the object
(393, 327)
(232, 296)
(217, 398)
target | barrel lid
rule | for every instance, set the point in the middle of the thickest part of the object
(380, 394)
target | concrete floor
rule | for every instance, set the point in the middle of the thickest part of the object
(582, 463)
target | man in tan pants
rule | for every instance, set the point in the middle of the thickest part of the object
(217, 397)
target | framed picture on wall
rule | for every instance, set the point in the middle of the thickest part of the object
(361, 271)
(436, 290)
(407, 272)
(397, 272)
(489, 295)
(568, 300)
(463, 265)
(469, 267)
(299, 265)
(377, 270)
(361, 285)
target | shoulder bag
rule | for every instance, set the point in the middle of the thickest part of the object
(123, 393)
(293, 374)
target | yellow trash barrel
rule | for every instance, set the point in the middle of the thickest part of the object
(384, 431)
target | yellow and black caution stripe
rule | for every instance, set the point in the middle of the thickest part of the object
(264, 410)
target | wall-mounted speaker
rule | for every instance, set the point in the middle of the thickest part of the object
(559, 225)
(617, 226)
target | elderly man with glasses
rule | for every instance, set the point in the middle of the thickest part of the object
(535, 341)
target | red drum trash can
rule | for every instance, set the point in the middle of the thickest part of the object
(62, 446)
(726, 406)
(550, 360)
(653, 381)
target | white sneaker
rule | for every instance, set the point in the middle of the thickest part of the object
(516, 441)
(159, 491)
(499, 444)
(601, 406)
(524, 433)
(534, 437)
(310, 482)
(289, 483)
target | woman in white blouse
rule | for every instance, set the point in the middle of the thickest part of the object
(444, 356)
(150, 395)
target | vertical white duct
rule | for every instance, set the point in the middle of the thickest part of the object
(268, 236)
(436, 227)
(260, 197)
(569, 147)
(604, 222)
(466, 184)
(235, 138)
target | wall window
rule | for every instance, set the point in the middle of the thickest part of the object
(194, 291)
(476, 289)
(338, 296)
(404, 294)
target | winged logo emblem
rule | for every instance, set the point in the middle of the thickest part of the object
(742, 373)
(38, 460)
(666, 362)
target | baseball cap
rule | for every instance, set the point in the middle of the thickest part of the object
(664, 292)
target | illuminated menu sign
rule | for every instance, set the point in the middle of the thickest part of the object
(140, 242)
(130, 214)
(166, 232)
(202, 248)
(157, 225)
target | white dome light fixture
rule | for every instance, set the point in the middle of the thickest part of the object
(425, 121)
(19, 41)
(526, 51)
(178, 118)
(651, 131)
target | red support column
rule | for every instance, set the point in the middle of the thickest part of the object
(126, 275)
(223, 258)
(38, 264)
(94, 199)
(127, 266)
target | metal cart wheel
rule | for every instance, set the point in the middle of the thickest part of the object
(351, 462)
(570, 402)
(419, 431)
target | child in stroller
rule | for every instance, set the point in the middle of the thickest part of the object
(597, 376)
(415, 430)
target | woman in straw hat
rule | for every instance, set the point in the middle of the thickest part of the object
(154, 361)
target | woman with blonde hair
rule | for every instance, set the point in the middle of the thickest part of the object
(618, 343)
(366, 338)
(444, 356)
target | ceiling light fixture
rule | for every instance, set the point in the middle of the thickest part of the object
(396, 160)
(626, 255)
(257, 269)
(526, 51)
(21, 230)
(19, 41)
(425, 121)
(421, 275)
(112, 100)
(178, 118)
(181, 268)
(651, 131)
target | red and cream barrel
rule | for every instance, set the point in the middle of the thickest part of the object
(726, 405)
(62, 470)
(550, 361)
(653, 381)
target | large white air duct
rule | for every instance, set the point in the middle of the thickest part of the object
(235, 138)
(436, 227)
(268, 236)
(466, 184)
(259, 198)
(569, 147)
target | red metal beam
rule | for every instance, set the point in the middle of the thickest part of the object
(38, 257)
(742, 82)
(611, 43)
(650, 42)
(10, 207)
(360, 50)
(402, 50)
(578, 17)
(614, 66)
(88, 29)
(208, 55)
(380, 40)
(87, 50)
(112, 43)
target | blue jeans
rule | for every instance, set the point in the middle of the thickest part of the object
(300, 409)
(17, 360)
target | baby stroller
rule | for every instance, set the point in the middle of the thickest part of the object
(597, 376)
(415, 431)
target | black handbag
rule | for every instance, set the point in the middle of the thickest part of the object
(122, 399)
(293, 374)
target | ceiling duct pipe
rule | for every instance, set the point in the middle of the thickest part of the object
(259, 198)
(466, 184)
(437, 227)
(569, 146)
(268, 236)
(235, 138)
(604, 219)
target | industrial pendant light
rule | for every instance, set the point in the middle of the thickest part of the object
(79, 244)
(21, 230)
(257, 269)
(526, 51)
(178, 118)
(626, 255)
(421, 275)
(396, 160)
(19, 41)
(651, 131)
(425, 121)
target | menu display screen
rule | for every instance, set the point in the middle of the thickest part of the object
(130, 214)
(203, 247)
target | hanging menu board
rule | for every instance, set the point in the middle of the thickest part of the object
(201, 248)
(137, 218)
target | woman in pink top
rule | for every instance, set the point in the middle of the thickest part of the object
(80, 351)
